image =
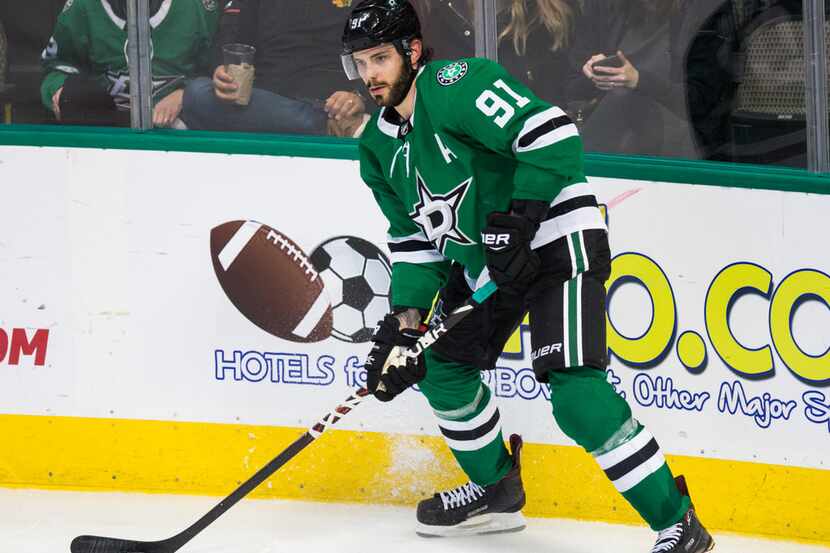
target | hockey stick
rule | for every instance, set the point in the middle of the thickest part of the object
(101, 544)
(440, 328)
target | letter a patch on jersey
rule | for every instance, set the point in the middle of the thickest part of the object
(452, 73)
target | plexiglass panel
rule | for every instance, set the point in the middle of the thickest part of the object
(768, 116)
(698, 79)
(68, 61)
(535, 41)
(448, 27)
(298, 83)
(704, 79)
(25, 28)
(292, 81)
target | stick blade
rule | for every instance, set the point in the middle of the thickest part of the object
(100, 544)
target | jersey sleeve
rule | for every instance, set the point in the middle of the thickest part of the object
(209, 34)
(67, 51)
(418, 269)
(503, 115)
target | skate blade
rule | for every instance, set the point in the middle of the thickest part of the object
(495, 523)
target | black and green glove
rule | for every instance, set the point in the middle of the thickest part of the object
(513, 265)
(388, 370)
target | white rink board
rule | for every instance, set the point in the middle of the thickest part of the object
(108, 250)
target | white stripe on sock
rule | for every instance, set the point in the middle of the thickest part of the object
(640, 473)
(472, 445)
(474, 422)
(624, 451)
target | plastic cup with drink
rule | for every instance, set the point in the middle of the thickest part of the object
(239, 64)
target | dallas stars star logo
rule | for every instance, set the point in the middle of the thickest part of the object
(437, 214)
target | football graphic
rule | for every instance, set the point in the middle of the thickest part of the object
(271, 281)
(357, 277)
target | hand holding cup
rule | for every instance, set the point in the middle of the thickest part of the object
(234, 81)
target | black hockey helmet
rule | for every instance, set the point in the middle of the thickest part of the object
(376, 22)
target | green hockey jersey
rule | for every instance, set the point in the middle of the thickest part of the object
(90, 38)
(477, 138)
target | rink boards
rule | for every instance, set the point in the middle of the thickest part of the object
(124, 365)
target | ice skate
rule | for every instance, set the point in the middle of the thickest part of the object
(472, 509)
(688, 535)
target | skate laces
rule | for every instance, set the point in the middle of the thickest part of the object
(461, 495)
(668, 538)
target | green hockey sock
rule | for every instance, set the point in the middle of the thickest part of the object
(634, 463)
(469, 419)
(591, 413)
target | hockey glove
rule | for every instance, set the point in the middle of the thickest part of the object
(388, 370)
(512, 264)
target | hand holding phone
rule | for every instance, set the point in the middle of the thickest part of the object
(612, 72)
(609, 61)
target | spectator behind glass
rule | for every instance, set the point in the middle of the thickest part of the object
(299, 85)
(637, 31)
(87, 75)
(700, 87)
(448, 27)
(704, 63)
(533, 38)
(533, 43)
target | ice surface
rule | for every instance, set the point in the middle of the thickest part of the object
(46, 521)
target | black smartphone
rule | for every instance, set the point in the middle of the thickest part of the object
(610, 61)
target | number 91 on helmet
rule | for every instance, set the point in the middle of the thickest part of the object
(376, 22)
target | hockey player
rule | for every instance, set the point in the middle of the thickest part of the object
(480, 180)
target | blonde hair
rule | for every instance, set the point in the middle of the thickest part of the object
(556, 15)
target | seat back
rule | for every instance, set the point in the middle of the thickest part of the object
(773, 82)
(768, 120)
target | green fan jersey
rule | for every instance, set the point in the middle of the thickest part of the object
(477, 139)
(90, 38)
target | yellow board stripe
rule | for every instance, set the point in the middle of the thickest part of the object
(211, 459)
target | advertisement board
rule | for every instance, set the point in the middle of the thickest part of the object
(154, 286)
(201, 302)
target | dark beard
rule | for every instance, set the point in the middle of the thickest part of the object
(400, 88)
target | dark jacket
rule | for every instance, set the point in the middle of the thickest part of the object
(604, 27)
(684, 66)
(449, 30)
(702, 81)
(298, 44)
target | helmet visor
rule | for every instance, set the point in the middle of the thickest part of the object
(350, 67)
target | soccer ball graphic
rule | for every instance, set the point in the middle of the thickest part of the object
(357, 276)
